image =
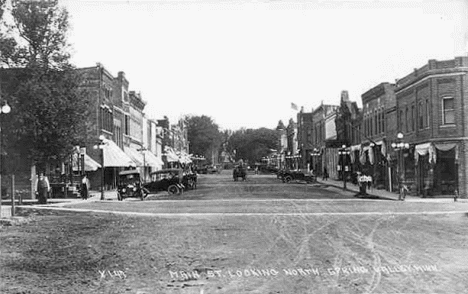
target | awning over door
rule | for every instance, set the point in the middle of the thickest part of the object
(90, 164)
(135, 155)
(114, 156)
(152, 160)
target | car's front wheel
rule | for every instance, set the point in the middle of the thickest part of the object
(287, 179)
(173, 189)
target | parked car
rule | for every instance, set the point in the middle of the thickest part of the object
(170, 180)
(297, 175)
(130, 185)
(280, 173)
(239, 172)
(212, 170)
(189, 180)
(202, 170)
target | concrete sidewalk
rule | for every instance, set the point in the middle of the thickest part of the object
(383, 194)
(56, 202)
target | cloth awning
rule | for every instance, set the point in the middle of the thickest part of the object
(171, 156)
(135, 155)
(152, 160)
(446, 147)
(114, 156)
(90, 164)
(355, 147)
(184, 158)
(423, 149)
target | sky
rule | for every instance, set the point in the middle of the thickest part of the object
(244, 62)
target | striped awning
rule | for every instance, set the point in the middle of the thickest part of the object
(90, 164)
(135, 155)
(152, 160)
(171, 156)
(114, 156)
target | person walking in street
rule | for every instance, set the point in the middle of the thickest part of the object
(85, 185)
(42, 188)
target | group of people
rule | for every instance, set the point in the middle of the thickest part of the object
(43, 188)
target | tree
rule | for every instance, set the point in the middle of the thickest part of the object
(204, 136)
(49, 109)
(41, 27)
(252, 144)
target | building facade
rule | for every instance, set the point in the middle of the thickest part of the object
(431, 107)
(378, 133)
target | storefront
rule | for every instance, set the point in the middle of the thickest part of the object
(436, 166)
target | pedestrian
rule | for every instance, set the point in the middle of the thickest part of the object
(325, 174)
(85, 185)
(42, 188)
(256, 170)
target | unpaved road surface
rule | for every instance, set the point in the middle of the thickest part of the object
(239, 238)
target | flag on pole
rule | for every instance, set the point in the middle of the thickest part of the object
(294, 106)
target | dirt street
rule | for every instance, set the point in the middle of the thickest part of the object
(260, 236)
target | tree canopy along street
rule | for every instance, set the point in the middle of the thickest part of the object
(257, 236)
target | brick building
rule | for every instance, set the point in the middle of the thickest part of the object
(432, 107)
(304, 137)
(321, 155)
(379, 104)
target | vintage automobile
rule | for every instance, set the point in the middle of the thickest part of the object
(239, 172)
(189, 179)
(130, 185)
(170, 180)
(280, 173)
(297, 175)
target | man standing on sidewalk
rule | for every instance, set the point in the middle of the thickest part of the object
(42, 188)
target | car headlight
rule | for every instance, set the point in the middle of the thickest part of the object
(124, 190)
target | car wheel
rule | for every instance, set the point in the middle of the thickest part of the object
(173, 189)
(287, 179)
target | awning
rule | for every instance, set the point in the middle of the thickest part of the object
(135, 155)
(171, 156)
(152, 160)
(90, 164)
(423, 149)
(356, 147)
(446, 147)
(114, 156)
(184, 158)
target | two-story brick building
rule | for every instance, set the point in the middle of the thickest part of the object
(432, 108)
(378, 132)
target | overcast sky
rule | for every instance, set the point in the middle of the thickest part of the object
(244, 62)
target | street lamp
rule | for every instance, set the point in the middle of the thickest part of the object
(100, 145)
(343, 152)
(399, 146)
(5, 109)
(315, 153)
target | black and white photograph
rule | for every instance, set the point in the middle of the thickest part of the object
(234, 146)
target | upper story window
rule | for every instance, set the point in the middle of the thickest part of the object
(448, 110)
(407, 120)
(127, 125)
(428, 114)
(421, 124)
(400, 124)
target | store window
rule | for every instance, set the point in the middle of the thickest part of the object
(448, 110)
